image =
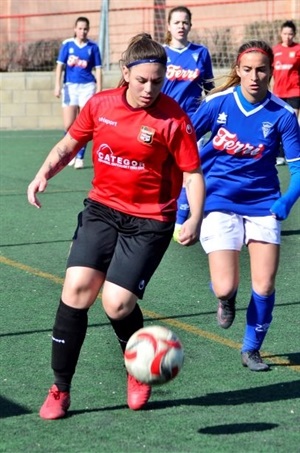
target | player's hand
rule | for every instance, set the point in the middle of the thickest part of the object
(57, 92)
(36, 186)
(280, 209)
(189, 233)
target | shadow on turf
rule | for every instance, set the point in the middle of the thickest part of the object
(10, 409)
(290, 232)
(275, 392)
(293, 358)
(237, 428)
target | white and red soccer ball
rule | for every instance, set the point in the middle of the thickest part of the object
(154, 355)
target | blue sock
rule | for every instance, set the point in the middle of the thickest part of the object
(258, 320)
(183, 208)
(81, 152)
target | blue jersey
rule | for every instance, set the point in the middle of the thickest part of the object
(239, 159)
(189, 71)
(79, 61)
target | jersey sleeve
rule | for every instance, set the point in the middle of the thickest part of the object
(83, 127)
(63, 53)
(97, 57)
(184, 146)
(208, 75)
(290, 137)
(201, 119)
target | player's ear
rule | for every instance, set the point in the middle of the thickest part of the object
(125, 72)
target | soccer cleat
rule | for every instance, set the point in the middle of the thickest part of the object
(138, 393)
(226, 313)
(176, 233)
(56, 404)
(253, 361)
(72, 162)
(78, 164)
(280, 161)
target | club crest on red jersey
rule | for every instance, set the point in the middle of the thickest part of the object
(146, 135)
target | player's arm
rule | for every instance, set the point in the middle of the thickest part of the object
(282, 207)
(195, 189)
(208, 83)
(58, 77)
(98, 77)
(291, 143)
(60, 155)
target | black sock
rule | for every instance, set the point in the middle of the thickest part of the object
(68, 336)
(126, 327)
(231, 299)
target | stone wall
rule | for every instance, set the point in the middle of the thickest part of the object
(27, 100)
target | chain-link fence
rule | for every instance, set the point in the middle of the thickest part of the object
(30, 42)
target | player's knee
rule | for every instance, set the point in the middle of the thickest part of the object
(117, 302)
(264, 289)
(224, 291)
(117, 309)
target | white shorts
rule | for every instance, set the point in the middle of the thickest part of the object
(77, 93)
(230, 231)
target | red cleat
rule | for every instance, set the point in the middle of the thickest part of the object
(138, 393)
(56, 404)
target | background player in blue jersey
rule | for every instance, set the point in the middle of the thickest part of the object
(189, 74)
(244, 204)
(77, 58)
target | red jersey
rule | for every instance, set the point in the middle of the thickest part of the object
(138, 154)
(286, 73)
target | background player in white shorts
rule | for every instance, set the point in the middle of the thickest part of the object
(244, 204)
(189, 75)
(77, 58)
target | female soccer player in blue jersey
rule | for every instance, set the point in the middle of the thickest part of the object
(244, 204)
(189, 74)
(77, 58)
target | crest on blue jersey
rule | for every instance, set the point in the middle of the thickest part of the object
(266, 127)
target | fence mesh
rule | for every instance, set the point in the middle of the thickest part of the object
(30, 42)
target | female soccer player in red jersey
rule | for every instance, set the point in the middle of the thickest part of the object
(143, 143)
(286, 73)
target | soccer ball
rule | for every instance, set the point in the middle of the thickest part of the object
(154, 355)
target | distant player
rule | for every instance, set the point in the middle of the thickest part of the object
(244, 205)
(286, 74)
(189, 75)
(78, 57)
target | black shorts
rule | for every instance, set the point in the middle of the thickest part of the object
(293, 102)
(127, 249)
